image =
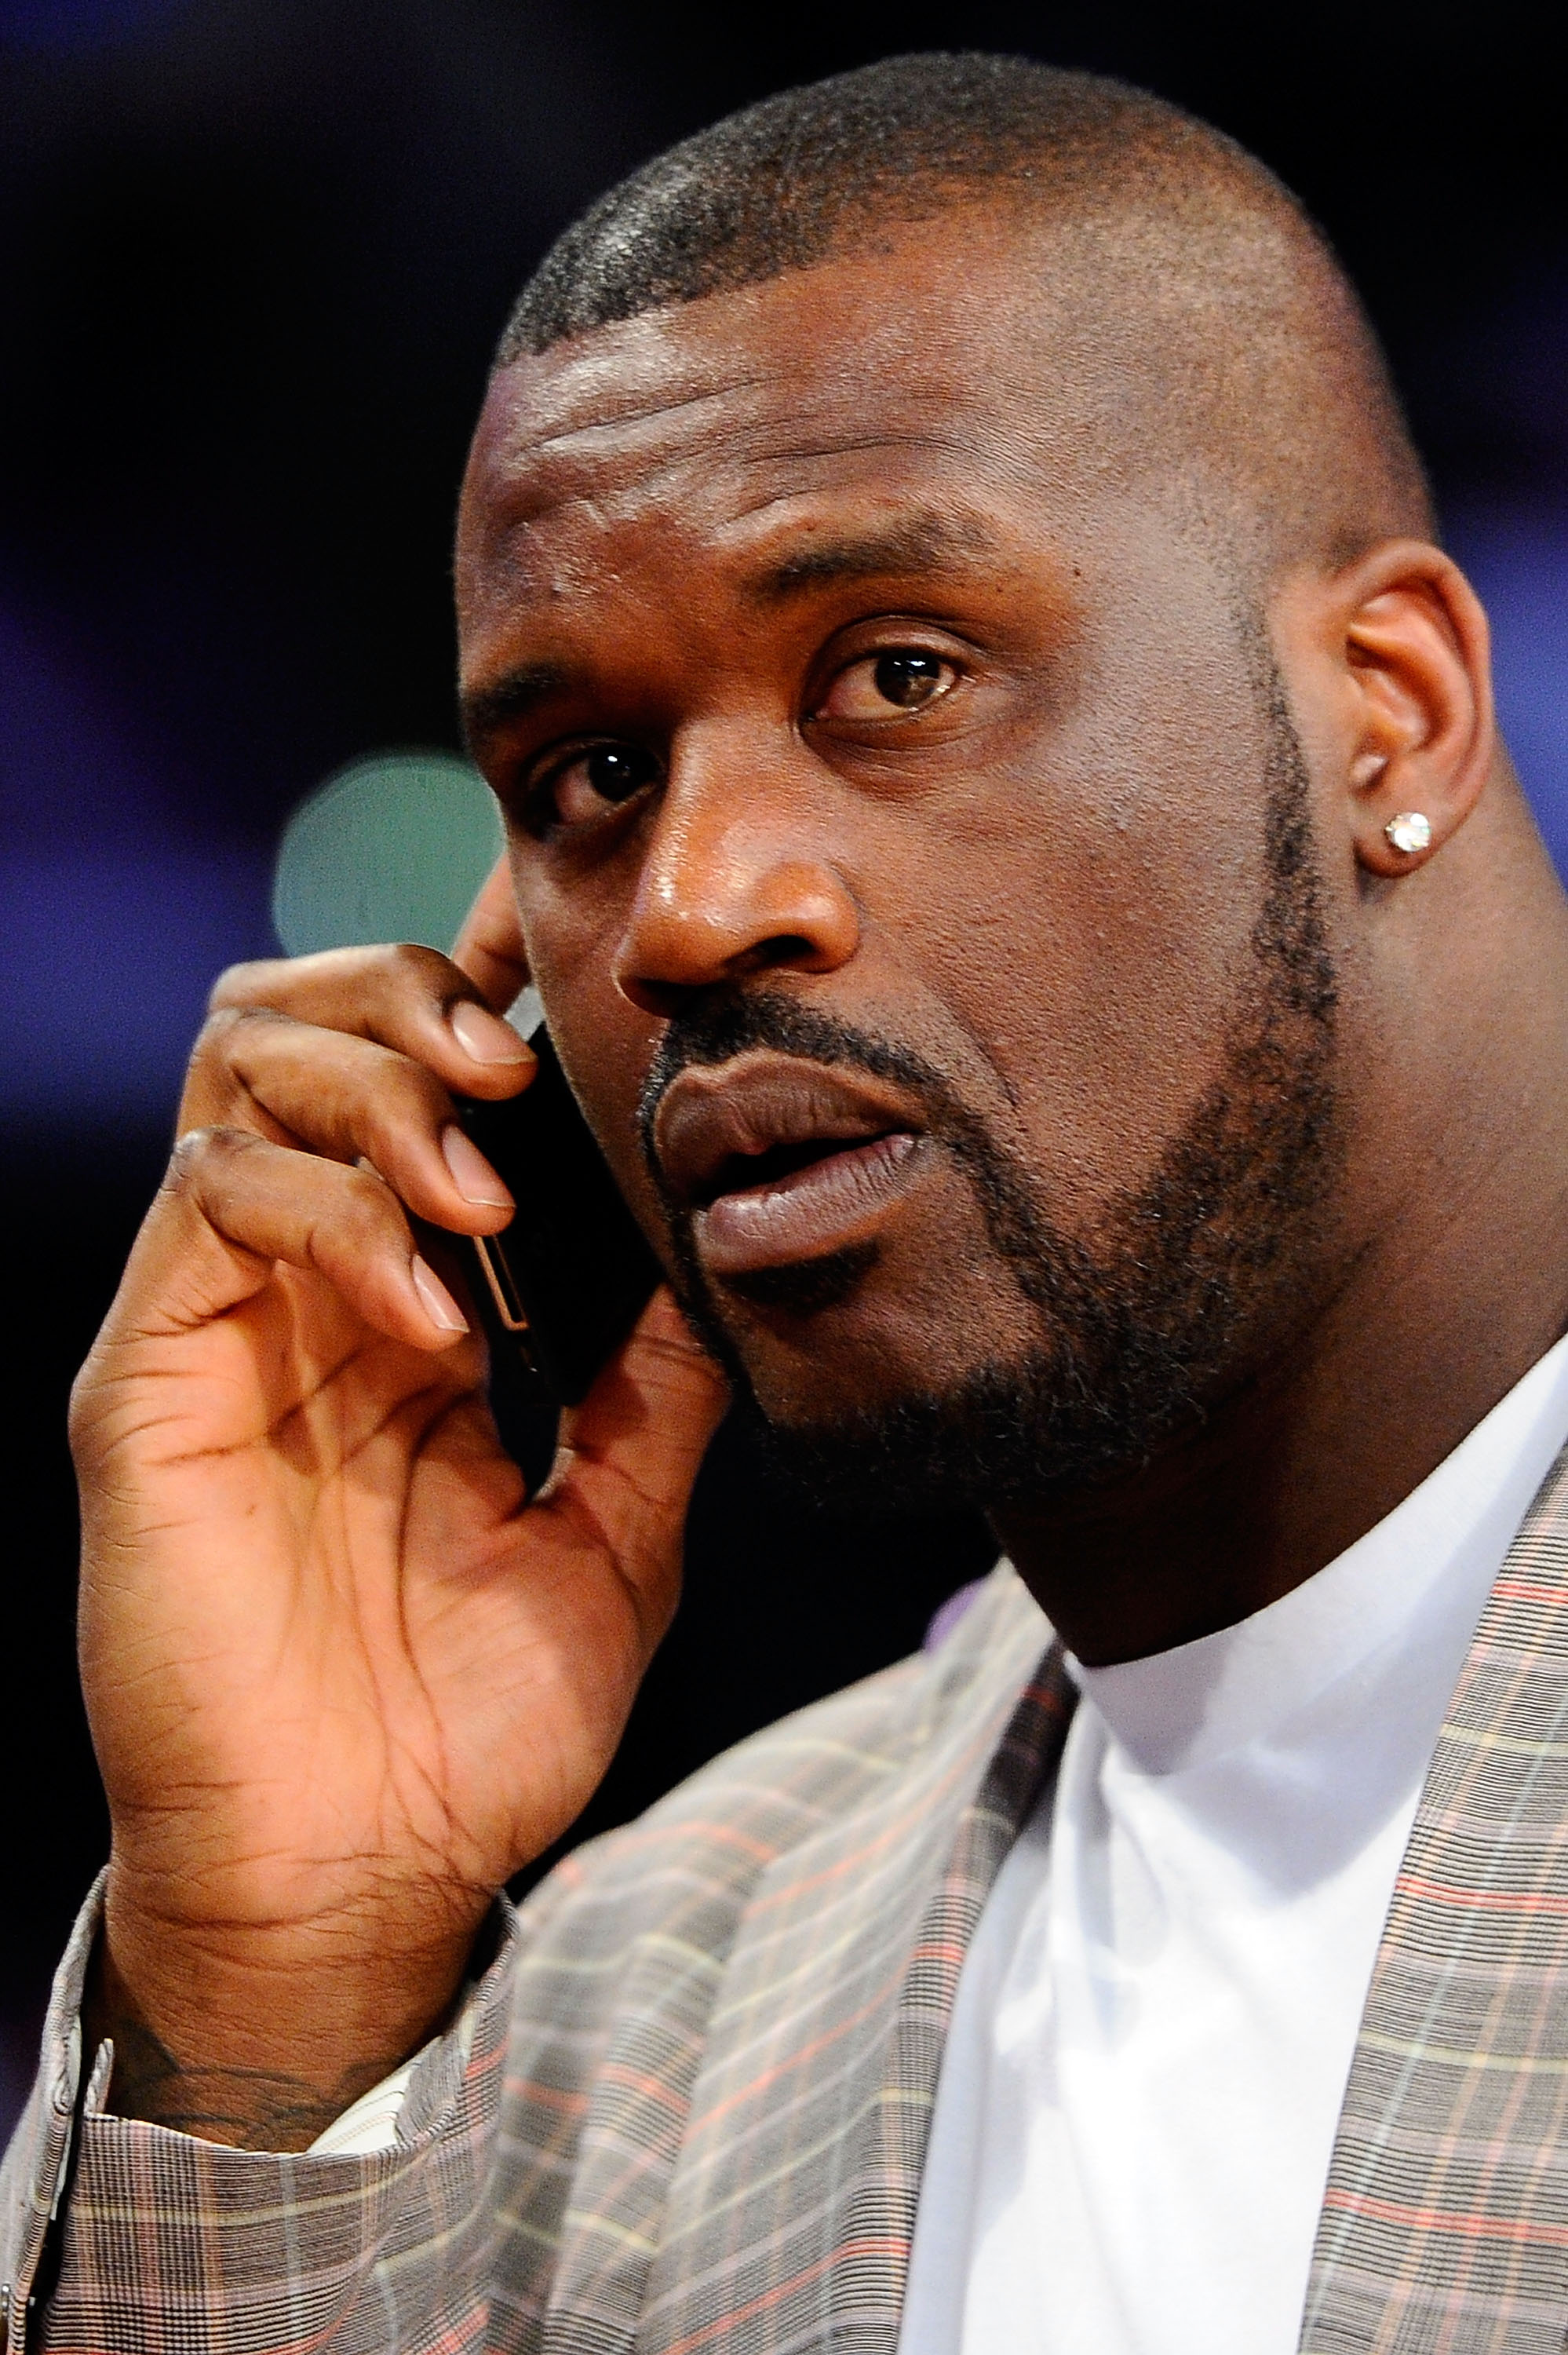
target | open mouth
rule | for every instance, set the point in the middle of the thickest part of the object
(777, 1160)
(775, 1166)
(814, 1202)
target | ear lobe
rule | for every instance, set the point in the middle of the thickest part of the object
(1418, 660)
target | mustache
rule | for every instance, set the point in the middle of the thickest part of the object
(712, 1032)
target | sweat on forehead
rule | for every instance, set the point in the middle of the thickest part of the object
(1233, 354)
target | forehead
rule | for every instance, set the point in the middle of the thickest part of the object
(933, 372)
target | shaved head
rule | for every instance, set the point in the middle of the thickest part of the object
(1229, 356)
(948, 610)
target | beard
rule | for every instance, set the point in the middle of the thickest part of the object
(1143, 1325)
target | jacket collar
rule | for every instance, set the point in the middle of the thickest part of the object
(1446, 2218)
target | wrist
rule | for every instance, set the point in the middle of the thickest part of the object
(259, 2036)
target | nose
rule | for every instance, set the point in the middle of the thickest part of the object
(734, 884)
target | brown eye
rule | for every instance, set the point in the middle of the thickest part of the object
(908, 679)
(904, 679)
(598, 779)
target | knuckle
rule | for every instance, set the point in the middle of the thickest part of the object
(186, 1160)
(368, 1208)
(201, 1150)
(226, 1025)
(246, 984)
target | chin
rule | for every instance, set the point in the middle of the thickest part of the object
(807, 1286)
(875, 1407)
(907, 1455)
(843, 1343)
(862, 1401)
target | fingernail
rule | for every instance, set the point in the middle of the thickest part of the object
(435, 1299)
(472, 1176)
(485, 1038)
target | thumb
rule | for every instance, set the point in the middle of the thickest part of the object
(489, 948)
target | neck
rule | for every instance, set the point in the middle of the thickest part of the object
(1452, 1280)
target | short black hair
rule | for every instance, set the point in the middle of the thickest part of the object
(775, 186)
(1253, 355)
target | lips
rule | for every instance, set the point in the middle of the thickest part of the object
(777, 1159)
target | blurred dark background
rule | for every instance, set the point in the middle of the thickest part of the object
(253, 257)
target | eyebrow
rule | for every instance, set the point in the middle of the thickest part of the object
(919, 543)
(486, 710)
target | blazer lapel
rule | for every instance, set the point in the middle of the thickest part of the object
(790, 2216)
(1445, 2226)
(877, 2223)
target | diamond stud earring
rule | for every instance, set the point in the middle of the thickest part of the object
(1410, 831)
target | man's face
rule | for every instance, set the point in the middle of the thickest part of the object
(916, 873)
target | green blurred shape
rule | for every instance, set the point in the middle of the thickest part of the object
(393, 847)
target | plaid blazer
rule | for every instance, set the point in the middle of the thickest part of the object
(692, 2115)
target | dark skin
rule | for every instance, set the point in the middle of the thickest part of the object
(344, 1680)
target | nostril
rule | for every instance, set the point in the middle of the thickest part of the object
(782, 951)
(663, 999)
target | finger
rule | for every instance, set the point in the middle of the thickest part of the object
(348, 1099)
(628, 1456)
(232, 1207)
(490, 946)
(400, 995)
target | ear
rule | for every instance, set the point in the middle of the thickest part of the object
(489, 948)
(1417, 676)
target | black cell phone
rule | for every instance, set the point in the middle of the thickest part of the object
(563, 1285)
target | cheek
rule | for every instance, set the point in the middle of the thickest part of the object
(1096, 910)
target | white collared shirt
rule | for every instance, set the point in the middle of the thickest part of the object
(1156, 2020)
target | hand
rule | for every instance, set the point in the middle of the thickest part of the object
(343, 1677)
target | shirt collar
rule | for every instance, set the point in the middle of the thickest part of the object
(1432, 1560)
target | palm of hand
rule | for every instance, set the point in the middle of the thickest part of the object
(331, 1610)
